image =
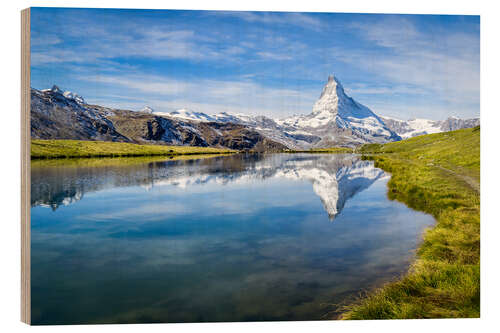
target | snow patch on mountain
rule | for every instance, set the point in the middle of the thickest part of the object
(186, 114)
(147, 109)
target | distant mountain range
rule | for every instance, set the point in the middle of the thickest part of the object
(336, 120)
(414, 127)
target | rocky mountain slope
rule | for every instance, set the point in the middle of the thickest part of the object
(415, 127)
(64, 115)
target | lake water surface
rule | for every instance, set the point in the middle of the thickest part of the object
(232, 238)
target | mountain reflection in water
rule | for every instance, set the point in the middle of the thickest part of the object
(334, 178)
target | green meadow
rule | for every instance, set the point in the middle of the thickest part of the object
(78, 148)
(438, 174)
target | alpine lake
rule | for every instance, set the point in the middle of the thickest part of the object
(244, 237)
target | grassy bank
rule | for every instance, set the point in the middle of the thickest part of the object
(76, 148)
(438, 174)
(332, 150)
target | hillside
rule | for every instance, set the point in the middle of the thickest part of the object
(438, 174)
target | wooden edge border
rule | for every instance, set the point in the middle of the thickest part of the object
(25, 168)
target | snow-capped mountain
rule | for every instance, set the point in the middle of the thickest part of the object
(186, 114)
(336, 119)
(68, 94)
(223, 117)
(414, 127)
(454, 123)
(339, 120)
(147, 109)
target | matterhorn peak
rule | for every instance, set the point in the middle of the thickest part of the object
(333, 87)
(332, 78)
(330, 97)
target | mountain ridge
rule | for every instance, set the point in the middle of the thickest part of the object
(419, 126)
(55, 116)
(336, 119)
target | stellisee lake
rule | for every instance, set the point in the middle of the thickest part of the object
(228, 238)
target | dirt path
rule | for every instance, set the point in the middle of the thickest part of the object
(474, 184)
(469, 180)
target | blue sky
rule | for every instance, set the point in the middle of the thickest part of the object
(270, 63)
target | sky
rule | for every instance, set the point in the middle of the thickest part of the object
(259, 63)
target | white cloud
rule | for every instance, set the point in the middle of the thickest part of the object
(372, 89)
(443, 67)
(298, 19)
(37, 39)
(152, 42)
(144, 84)
(274, 56)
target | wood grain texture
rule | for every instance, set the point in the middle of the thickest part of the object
(25, 168)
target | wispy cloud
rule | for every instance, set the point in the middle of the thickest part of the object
(274, 56)
(445, 66)
(37, 39)
(295, 19)
(370, 89)
(209, 96)
(147, 44)
(110, 38)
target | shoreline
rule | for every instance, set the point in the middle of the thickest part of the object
(60, 157)
(428, 175)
